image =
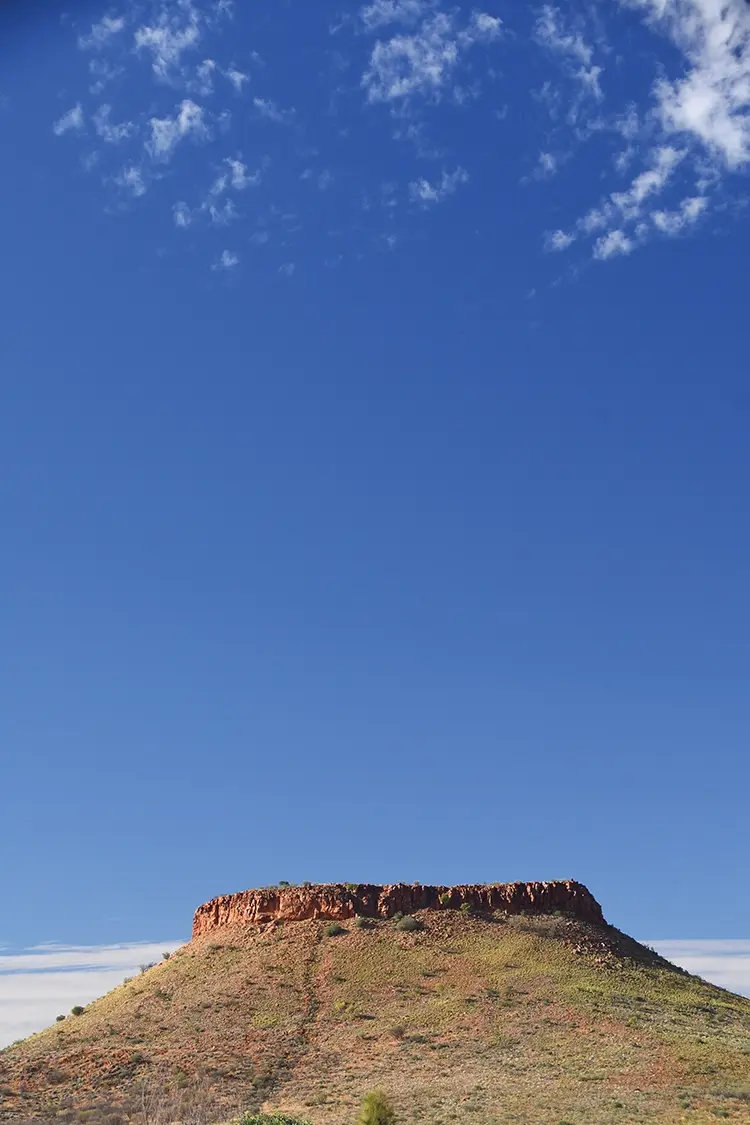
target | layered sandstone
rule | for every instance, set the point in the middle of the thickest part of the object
(339, 901)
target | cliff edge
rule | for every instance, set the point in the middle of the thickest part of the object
(339, 901)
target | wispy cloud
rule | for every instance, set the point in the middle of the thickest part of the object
(267, 108)
(174, 32)
(131, 180)
(698, 120)
(226, 262)
(383, 12)
(628, 217)
(101, 33)
(423, 63)
(37, 985)
(237, 77)
(710, 102)
(424, 192)
(612, 244)
(567, 41)
(235, 176)
(109, 132)
(72, 121)
(167, 132)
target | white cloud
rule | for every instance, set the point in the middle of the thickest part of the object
(422, 191)
(558, 240)
(611, 244)
(235, 177)
(238, 78)
(111, 134)
(384, 12)
(72, 121)
(226, 261)
(552, 33)
(167, 132)
(287, 269)
(175, 31)
(546, 165)
(204, 77)
(37, 985)
(698, 122)
(424, 62)
(103, 72)
(267, 108)
(677, 222)
(101, 33)
(710, 102)
(481, 28)
(651, 182)
(221, 216)
(131, 179)
(629, 210)
(182, 215)
(726, 963)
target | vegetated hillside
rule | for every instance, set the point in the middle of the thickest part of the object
(479, 1018)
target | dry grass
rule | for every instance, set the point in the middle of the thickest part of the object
(525, 1020)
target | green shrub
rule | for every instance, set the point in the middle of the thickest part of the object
(465, 908)
(77, 1010)
(333, 929)
(145, 968)
(285, 883)
(376, 1109)
(165, 956)
(444, 899)
(409, 924)
(398, 916)
(351, 887)
(59, 1019)
(363, 923)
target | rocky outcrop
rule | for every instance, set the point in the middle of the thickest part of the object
(339, 901)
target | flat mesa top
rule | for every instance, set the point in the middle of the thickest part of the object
(337, 901)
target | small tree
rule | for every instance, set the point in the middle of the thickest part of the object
(166, 956)
(376, 1109)
(77, 1010)
(333, 929)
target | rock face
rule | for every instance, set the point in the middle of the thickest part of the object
(339, 901)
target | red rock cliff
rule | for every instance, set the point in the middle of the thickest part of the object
(340, 901)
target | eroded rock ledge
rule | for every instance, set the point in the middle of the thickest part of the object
(339, 901)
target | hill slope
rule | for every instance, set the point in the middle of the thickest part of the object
(525, 1017)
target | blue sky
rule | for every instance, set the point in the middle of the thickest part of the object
(375, 445)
